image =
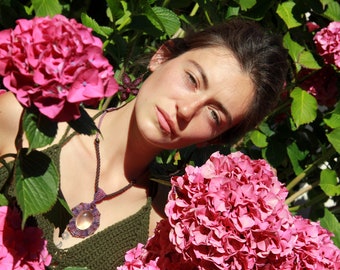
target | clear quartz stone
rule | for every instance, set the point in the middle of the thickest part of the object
(84, 220)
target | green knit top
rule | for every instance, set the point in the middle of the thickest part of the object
(102, 251)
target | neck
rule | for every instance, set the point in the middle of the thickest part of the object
(123, 143)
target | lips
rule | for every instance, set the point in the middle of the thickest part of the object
(164, 121)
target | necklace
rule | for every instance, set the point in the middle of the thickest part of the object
(86, 217)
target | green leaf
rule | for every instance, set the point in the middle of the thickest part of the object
(232, 11)
(294, 48)
(265, 129)
(246, 4)
(334, 120)
(296, 155)
(259, 139)
(168, 19)
(332, 11)
(115, 8)
(304, 107)
(91, 23)
(328, 183)
(3, 200)
(330, 222)
(307, 60)
(84, 124)
(150, 15)
(284, 10)
(36, 183)
(40, 130)
(46, 7)
(334, 138)
(126, 18)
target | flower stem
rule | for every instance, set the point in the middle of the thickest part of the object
(160, 181)
(20, 134)
(300, 192)
(194, 10)
(311, 167)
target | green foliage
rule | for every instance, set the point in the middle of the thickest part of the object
(330, 222)
(303, 107)
(298, 138)
(334, 120)
(334, 139)
(38, 129)
(84, 124)
(332, 9)
(46, 7)
(258, 138)
(37, 182)
(328, 183)
(285, 11)
(3, 200)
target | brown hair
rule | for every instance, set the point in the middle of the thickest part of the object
(259, 53)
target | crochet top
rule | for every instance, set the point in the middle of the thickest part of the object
(102, 251)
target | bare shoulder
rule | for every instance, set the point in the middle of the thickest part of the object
(10, 112)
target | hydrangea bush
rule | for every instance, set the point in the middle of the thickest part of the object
(230, 213)
(20, 249)
(55, 64)
(327, 43)
(300, 138)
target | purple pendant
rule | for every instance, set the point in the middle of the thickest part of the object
(86, 217)
(85, 221)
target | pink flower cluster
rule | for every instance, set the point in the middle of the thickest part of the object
(327, 42)
(322, 84)
(55, 64)
(20, 249)
(230, 213)
(158, 253)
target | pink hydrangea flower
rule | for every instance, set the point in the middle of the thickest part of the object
(158, 254)
(312, 26)
(230, 213)
(55, 64)
(134, 260)
(327, 42)
(322, 84)
(20, 249)
(313, 248)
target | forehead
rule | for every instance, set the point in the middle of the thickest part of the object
(217, 62)
(226, 80)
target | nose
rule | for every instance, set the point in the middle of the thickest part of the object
(186, 109)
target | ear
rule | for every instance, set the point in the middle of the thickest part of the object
(162, 55)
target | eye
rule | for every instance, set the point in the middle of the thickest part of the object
(191, 80)
(214, 115)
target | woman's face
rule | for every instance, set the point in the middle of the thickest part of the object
(192, 98)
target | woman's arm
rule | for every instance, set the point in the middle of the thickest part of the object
(10, 112)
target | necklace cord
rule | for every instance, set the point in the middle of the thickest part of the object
(86, 216)
(98, 166)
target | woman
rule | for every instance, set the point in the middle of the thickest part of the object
(210, 86)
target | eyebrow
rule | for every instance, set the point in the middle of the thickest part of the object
(201, 72)
(206, 85)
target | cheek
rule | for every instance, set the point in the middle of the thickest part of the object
(156, 85)
(201, 130)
